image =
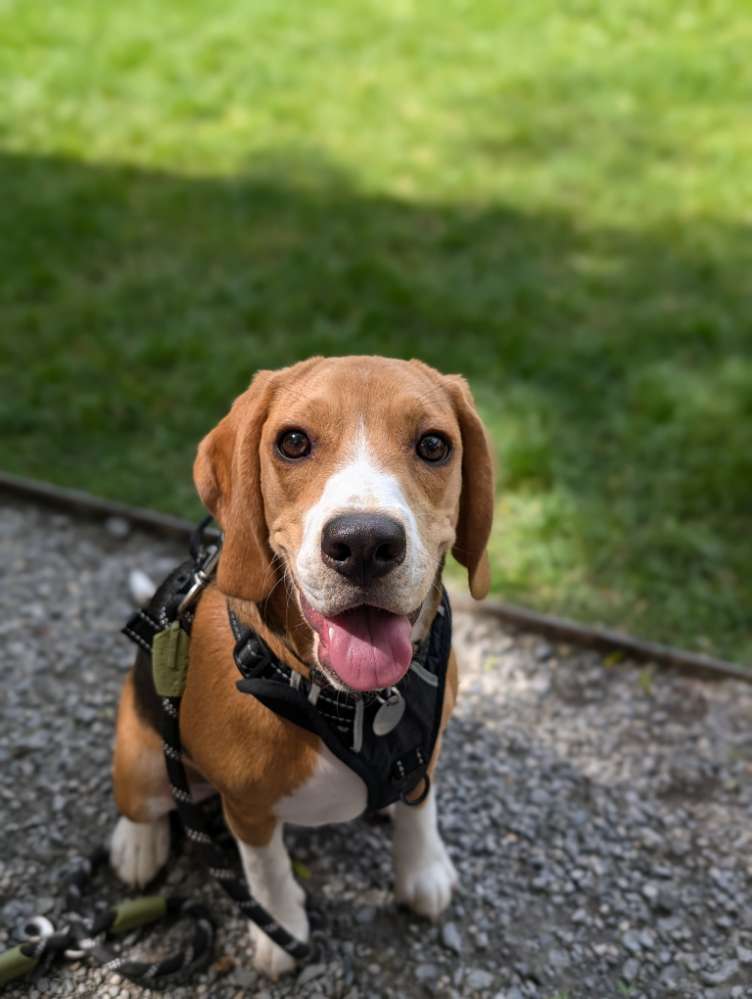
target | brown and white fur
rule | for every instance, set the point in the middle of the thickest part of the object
(363, 416)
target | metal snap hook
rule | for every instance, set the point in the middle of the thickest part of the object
(38, 928)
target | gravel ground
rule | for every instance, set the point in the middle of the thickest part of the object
(598, 813)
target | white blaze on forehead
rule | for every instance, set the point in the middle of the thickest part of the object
(359, 484)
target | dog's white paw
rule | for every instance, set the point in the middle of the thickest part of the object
(427, 887)
(139, 849)
(268, 957)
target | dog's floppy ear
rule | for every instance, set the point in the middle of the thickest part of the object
(477, 497)
(227, 473)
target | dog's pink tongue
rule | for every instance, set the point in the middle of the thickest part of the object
(368, 648)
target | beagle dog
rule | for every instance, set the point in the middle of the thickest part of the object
(340, 484)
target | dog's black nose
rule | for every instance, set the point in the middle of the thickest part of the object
(363, 546)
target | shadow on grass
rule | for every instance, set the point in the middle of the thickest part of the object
(613, 367)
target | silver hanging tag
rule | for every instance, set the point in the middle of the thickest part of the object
(390, 713)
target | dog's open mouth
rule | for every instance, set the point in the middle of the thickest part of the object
(368, 648)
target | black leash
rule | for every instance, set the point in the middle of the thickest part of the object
(80, 937)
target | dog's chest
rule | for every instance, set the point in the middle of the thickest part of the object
(333, 793)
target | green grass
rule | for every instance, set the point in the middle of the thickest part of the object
(551, 197)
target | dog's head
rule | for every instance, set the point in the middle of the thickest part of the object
(349, 479)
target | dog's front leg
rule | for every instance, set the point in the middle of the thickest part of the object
(423, 873)
(267, 867)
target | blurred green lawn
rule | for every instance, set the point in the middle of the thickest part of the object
(553, 197)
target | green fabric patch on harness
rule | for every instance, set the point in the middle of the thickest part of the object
(134, 912)
(169, 660)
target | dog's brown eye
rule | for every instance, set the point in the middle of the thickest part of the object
(433, 448)
(293, 444)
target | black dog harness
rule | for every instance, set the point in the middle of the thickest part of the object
(387, 738)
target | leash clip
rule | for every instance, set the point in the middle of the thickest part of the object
(201, 578)
(41, 928)
(37, 944)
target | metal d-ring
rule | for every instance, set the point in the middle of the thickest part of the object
(414, 802)
(38, 928)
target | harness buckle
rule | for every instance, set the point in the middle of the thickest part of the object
(202, 576)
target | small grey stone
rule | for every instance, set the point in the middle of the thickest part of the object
(17, 909)
(650, 891)
(450, 937)
(559, 958)
(666, 903)
(647, 939)
(630, 970)
(481, 940)
(118, 527)
(426, 972)
(670, 976)
(631, 942)
(478, 979)
(310, 972)
(243, 977)
(720, 975)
